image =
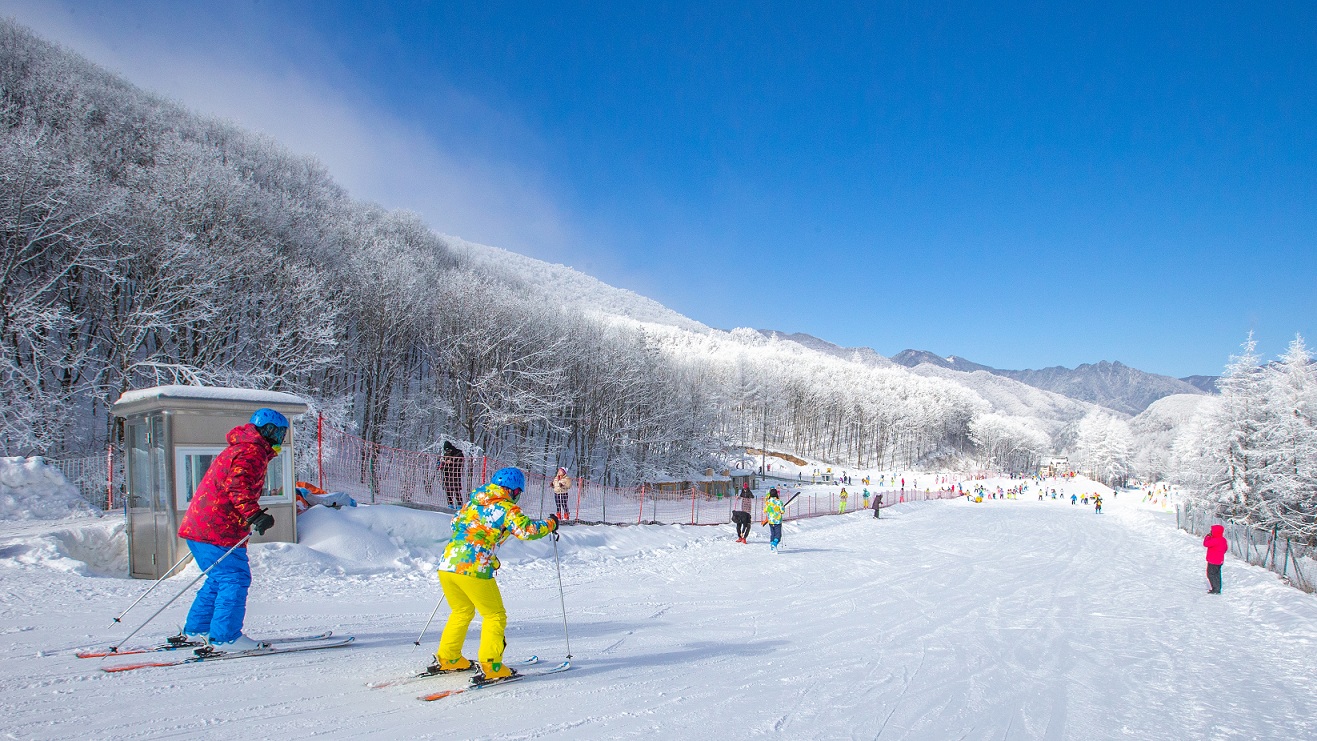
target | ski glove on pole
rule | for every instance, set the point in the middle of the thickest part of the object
(261, 521)
(554, 520)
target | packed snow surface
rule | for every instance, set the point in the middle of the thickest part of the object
(1006, 619)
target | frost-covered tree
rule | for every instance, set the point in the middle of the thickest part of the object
(1287, 481)
(1011, 444)
(1250, 455)
(1104, 446)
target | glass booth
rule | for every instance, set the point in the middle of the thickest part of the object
(171, 436)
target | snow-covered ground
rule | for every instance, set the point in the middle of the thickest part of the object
(1006, 619)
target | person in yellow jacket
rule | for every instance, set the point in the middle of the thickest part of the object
(843, 497)
(466, 574)
(773, 511)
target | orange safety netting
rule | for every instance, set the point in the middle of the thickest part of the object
(379, 474)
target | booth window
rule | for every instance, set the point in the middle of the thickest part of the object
(192, 461)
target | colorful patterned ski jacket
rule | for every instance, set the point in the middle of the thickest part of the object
(230, 492)
(773, 510)
(480, 526)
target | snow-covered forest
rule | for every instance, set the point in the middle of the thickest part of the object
(143, 244)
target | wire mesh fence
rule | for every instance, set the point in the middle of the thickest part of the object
(98, 477)
(1294, 561)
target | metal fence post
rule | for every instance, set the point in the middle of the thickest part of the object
(320, 451)
(109, 475)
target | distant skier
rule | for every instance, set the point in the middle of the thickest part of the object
(1097, 503)
(1216, 544)
(225, 507)
(877, 506)
(1074, 498)
(865, 496)
(843, 498)
(745, 499)
(466, 574)
(773, 511)
(562, 486)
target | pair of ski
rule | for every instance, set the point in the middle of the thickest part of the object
(522, 674)
(276, 646)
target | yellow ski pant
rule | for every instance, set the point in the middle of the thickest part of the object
(466, 595)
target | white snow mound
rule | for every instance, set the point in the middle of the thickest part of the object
(360, 540)
(32, 490)
(91, 548)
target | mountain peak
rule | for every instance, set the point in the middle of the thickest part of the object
(912, 358)
(1109, 383)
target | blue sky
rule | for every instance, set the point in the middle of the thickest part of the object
(1031, 186)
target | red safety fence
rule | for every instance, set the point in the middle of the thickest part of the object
(379, 474)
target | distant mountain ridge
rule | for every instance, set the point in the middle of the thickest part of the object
(866, 355)
(1206, 383)
(913, 358)
(1112, 385)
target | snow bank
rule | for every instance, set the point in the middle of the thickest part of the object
(377, 539)
(32, 490)
(360, 540)
(94, 548)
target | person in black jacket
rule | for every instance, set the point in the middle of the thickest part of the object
(451, 466)
(741, 512)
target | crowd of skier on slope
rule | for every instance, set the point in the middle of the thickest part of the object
(225, 511)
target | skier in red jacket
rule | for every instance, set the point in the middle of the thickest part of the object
(1216, 545)
(225, 507)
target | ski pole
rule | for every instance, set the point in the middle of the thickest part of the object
(561, 599)
(427, 622)
(181, 561)
(235, 547)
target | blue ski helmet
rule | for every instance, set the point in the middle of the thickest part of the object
(268, 416)
(509, 478)
(272, 425)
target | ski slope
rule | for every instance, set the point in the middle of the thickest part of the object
(943, 620)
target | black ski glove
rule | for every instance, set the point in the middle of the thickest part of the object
(261, 521)
(554, 520)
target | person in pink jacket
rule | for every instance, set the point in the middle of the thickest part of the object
(1216, 544)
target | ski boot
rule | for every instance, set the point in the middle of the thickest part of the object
(489, 672)
(241, 644)
(449, 666)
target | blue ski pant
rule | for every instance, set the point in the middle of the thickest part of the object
(220, 607)
(775, 534)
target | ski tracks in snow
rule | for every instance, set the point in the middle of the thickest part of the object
(942, 620)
